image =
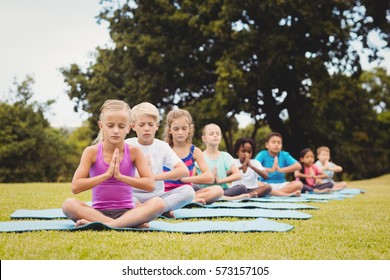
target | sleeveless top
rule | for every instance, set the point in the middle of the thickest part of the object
(112, 194)
(189, 161)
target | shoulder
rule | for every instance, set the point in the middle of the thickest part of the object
(256, 163)
(132, 141)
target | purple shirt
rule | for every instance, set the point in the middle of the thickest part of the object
(112, 194)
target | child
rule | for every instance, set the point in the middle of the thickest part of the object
(220, 163)
(310, 174)
(144, 121)
(329, 168)
(250, 169)
(277, 163)
(111, 166)
(179, 131)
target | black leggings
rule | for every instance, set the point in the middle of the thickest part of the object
(327, 185)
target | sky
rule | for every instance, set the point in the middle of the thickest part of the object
(38, 38)
(41, 36)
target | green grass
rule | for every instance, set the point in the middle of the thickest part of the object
(355, 229)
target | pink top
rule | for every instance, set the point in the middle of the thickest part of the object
(112, 194)
(307, 171)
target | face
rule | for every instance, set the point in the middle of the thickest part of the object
(274, 145)
(308, 158)
(245, 152)
(145, 127)
(323, 156)
(212, 135)
(115, 126)
(179, 129)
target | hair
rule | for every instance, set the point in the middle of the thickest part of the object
(173, 115)
(206, 126)
(272, 134)
(304, 152)
(111, 105)
(242, 141)
(301, 155)
(322, 148)
(145, 109)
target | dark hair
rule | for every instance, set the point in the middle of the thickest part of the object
(304, 152)
(242, 141)
(272, 134)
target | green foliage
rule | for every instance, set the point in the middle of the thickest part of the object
(219, 58)
(30, 150)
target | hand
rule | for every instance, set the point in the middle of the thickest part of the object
(275, 166)
(215, 176)
(111, 168)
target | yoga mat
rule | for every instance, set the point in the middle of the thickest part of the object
(250, 204)
(259, 224)
(186, 213)
(56, 213)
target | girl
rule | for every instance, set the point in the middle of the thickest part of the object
(111, 166)
(222, 164)
(250, 169)
(310, 174)
(179, 131)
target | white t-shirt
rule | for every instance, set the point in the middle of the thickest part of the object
(250, 177)
(158, 154)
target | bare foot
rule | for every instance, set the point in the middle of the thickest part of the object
(200, 201)
(296, 193)
(81, 222)
(168, 214)
(144, 225)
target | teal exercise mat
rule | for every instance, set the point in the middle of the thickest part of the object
(187, 213)
(56, 213)
(252, 204)
(257, 225)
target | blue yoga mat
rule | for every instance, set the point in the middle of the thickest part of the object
(253, 204)
(184, 227)
(187, 213)
(56, 213)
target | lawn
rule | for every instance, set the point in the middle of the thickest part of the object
(356, 228)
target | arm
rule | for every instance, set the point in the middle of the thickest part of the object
(234, 176)
(81, 180)
(145, 179)
(290, 168)
(179, 171)
(260, 172)
(205, 177)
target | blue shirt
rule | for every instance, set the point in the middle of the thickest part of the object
(284, 160)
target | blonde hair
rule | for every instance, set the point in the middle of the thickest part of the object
(207, 126)
(111, 105)
(173, 115)
(321, 149)
(145, 109)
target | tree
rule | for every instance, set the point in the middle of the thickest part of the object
(222, 57)
(30, 150)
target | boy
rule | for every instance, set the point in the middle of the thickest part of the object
(144, 121)
(277, 163)
(329, 168)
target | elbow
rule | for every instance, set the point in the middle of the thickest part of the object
(150, 185)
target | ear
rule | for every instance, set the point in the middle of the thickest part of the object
(100, 124)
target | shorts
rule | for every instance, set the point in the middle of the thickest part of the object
(278, 186)
(113, 213)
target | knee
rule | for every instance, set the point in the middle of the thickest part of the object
(158, 204)
(218, 191)
(68, 204)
